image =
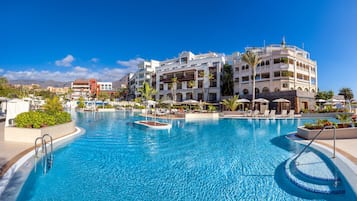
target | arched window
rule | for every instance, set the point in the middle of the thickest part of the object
(299, 88)
(262, 63)
(245, 91)
(266, 90)
(257, 91)
(267, 62)
(313, 90)
(306, 89)
(276, 90)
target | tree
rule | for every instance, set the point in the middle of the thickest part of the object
(325, 95)
(81, 102)
(191, 84)
(146, 91)
(231, 103)
(53, 105)
(252, 60)
(227, 80)
(174, 87)
(346, 93)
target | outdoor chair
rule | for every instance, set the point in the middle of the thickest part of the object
(272, 114)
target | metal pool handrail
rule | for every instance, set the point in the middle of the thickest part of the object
(312, 140)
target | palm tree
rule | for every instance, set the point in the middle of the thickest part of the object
(53, 105)
(252, 60)
(146, 91)
(346, 93)
(191, 84)
(227, 80)
(231, 104)
(210, 77)
(174, 87)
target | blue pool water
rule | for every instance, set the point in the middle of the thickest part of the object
(228, 159)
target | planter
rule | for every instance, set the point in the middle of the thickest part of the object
(28, 135)
(341, 133)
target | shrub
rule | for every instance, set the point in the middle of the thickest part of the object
(38, 119)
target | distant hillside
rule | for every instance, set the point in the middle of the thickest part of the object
(42, 83)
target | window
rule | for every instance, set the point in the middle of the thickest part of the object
(291, 61)
(276, 60)
(313, 80)
(257, 91)
(212, 97)
(236, 79)
(277, 74)
(267, 62)
(245, 91)
(266, 90)
(179, 85)
(245, 78)
(265, 75)
(276, 90)
(201, 73)
(200, 83)
(161, 87)
(262, 63)
(285, 85)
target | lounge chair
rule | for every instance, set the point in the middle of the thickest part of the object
(255, 113)
(266, 113)
(248, 113)
(284, 113)
(272, 114)
(291, 114)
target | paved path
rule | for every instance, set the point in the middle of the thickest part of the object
(10, 152)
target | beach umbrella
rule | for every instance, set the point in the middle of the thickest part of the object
(171, 102)
(320, 100)
(243, 100)
(281, 100)
(190, 102)
(261, 100)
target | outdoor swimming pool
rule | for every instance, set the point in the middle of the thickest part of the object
(228, 159)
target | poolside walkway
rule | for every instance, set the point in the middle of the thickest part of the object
(10, 152)
(346, 147)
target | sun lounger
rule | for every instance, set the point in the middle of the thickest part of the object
(284, 113)
(255, 113)
(266, 113)
(291, 114)
(272, 114)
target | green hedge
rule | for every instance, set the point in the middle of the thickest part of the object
(37, 119)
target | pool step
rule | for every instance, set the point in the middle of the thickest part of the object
(311, 173)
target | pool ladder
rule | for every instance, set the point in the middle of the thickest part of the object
(42, 151)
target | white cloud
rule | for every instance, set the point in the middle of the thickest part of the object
(77, 72)
(94, 60)
(67, 61)
(132, 64)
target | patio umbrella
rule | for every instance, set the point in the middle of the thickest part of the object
(320, 101)
(261, 100)
(168, 102)
(243, 100)
(190, 102)
(281, 100)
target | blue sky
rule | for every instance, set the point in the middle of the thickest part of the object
(65, 40)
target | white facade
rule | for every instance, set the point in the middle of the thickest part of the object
(80, 88)
(283, 68)
(105, 86)
(146, 70)
(202, 70)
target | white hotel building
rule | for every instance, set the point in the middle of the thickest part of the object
(285, 72)
(202, 70)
